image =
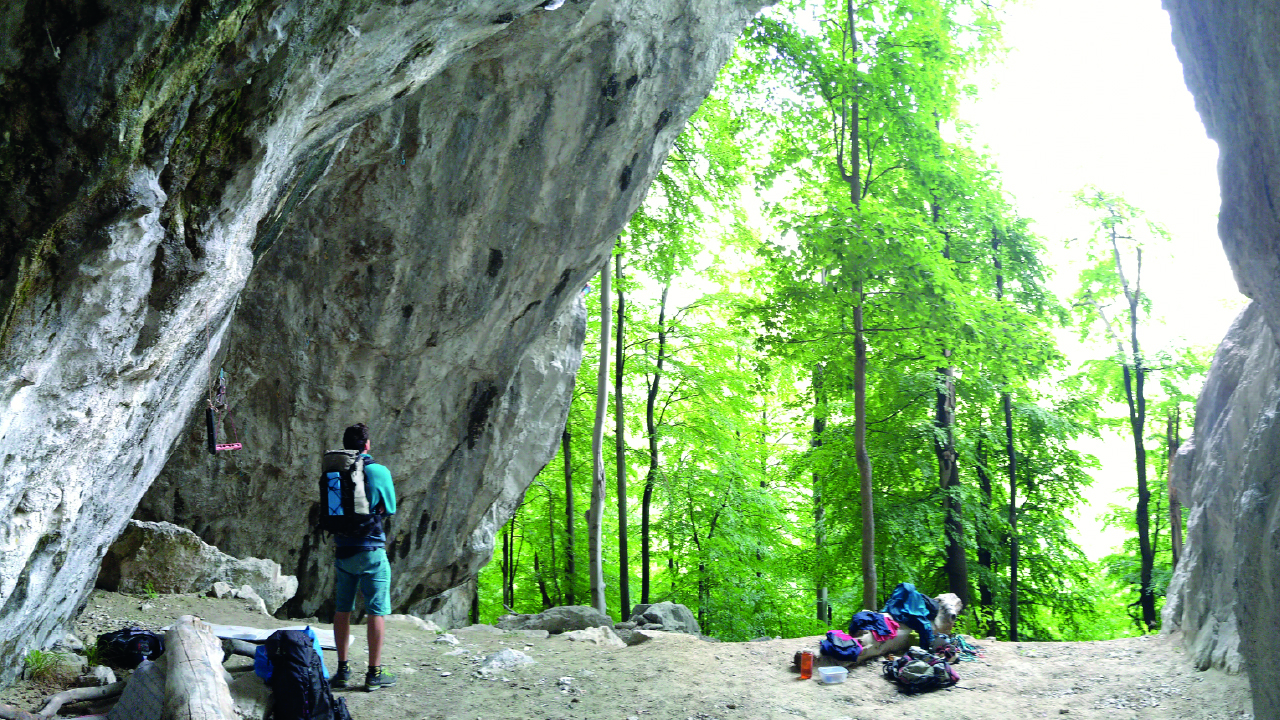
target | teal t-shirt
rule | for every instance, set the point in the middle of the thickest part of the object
(377, 478)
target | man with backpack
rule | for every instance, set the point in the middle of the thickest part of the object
(357, 497)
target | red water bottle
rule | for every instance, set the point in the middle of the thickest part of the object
(806, 664)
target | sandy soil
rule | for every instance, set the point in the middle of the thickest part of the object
(680, 677)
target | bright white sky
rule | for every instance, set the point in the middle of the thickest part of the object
(1091, 92)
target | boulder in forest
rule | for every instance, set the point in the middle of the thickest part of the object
(667, 616)
(556, 620)
(602, 635)
(164, 558)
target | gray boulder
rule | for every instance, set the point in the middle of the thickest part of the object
(98, 676)
(668, 616)
(557, 620)
(505, 660)
(603, 635)
(169, 559)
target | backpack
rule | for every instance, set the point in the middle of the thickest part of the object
(296, 675)
(129, 647)
(918, 671)
(344, 499)
(840, 646)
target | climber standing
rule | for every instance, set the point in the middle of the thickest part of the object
(357, 500)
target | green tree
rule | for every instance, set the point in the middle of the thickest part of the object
(1111, 300)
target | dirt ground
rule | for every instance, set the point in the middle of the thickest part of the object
(680, 677)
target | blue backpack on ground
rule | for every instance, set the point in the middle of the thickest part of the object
(292, 666)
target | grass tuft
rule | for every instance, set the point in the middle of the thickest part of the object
(42, 665)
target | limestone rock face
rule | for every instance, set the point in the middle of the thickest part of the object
(404, 199)
(430, 285)
(1229, 51)
(171, 559)
(1213, 473)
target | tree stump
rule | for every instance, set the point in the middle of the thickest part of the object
(195, 684)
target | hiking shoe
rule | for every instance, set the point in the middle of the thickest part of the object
(340, 678)
(376, 678)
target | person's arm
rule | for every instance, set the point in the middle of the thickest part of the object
(384, 491)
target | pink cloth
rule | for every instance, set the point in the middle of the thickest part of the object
(893, 629)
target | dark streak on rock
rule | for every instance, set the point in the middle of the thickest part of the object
(341, 99)
(526, 310)
(664, 117)
(483, 396)
(560, 285)
(624, 182)
(495, 262)
(424, 524)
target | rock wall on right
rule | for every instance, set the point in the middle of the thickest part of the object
(1224, 594)
(1213, 475)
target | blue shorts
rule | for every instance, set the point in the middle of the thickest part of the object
(372, 572)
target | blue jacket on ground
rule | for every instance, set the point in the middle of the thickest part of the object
(909, 607)
(869, 620)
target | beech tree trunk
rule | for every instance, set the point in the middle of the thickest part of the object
(551, 537)
(957, 564)
(1175, 506)
(651, 426)
(944, 446)
(1134, 380)
(542, 583)
(1006, 402)
(595, 515)
(571, 555)
(620, 453)
(869, 588)
(986, 599)
(847, 135)
(819, 513)
(506, 568)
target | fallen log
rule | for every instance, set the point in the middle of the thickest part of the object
(195, 682)
(9, 712)
(55, 702)
(231, 646)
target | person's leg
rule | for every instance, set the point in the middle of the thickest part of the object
(342, 633)
(377, 631)
(344, 598)
(376, 587)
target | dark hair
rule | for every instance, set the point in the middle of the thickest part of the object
(355, 437)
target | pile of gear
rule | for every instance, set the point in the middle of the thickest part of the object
(917, 669)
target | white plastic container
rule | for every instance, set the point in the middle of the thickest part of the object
(832, 675)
